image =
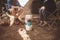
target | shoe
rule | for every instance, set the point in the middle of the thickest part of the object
(44, 23)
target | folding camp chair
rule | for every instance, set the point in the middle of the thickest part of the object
(52, 18)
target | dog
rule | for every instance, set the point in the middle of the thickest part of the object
(16, 12)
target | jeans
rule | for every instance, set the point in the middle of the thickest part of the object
(42, 15)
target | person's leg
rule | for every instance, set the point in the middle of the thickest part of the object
(10, 16)
(20, 18)
(11, 20)
(42, 16)
(20, 11)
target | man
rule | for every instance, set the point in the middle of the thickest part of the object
(14, 10)
(47, 9)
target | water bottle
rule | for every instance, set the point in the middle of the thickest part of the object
(28, 25)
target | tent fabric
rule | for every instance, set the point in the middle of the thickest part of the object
(23, 2)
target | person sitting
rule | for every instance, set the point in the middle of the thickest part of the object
(47, 9)
(15, 11)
